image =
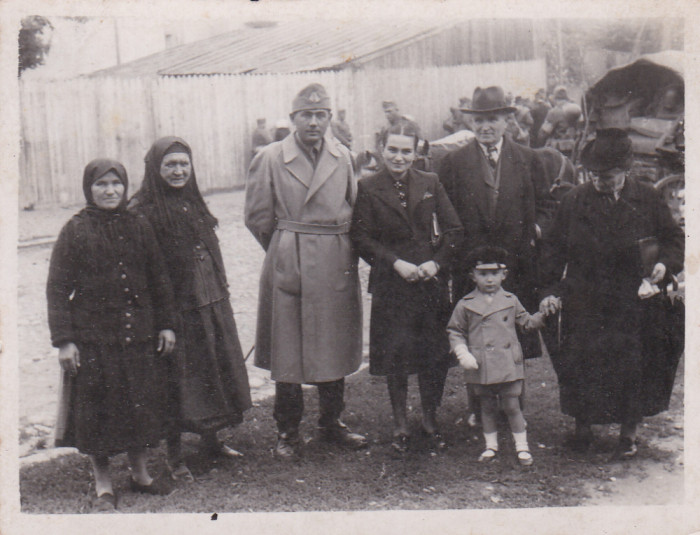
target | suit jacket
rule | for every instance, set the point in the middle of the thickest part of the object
(521, 185)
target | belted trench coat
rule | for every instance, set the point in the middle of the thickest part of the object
(309, 310)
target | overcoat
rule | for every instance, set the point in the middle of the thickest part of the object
(407, 327)
(512, 226)
(309, 311)
(595, 240)
(488, 330)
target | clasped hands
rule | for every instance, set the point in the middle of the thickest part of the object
(413, 273)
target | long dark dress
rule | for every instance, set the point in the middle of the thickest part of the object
(600, 363)
(111, 302)
(208, 379)
(407, 328)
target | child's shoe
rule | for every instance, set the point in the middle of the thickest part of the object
(488, 455)
(525, 458)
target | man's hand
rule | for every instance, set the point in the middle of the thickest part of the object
(69, 358)
(658, 273)
(427, 270)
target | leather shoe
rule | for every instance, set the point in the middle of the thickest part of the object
(626, 449)
(400, 443)
(105, 503)
(436, 442)
(157, 487)
(287, 446)
(219, 449)
(338, 433)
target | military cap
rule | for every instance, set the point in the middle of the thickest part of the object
(487, 257)
(388, 104)
(312, 97)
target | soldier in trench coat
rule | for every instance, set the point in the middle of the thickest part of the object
(299, 200)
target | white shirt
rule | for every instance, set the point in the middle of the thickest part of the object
(498, 145)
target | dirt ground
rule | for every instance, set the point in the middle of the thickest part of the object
(647, 481)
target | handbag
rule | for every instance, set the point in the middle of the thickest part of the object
(663, 344)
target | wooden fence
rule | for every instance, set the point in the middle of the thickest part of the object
(65, 124)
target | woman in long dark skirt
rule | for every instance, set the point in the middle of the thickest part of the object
(111, 314)
(208, 379)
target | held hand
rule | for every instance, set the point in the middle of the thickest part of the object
(465, 358)
(69, 358)
(428, 270)
(166, 341)
(408, 271)
(550, 305)
(658, 273)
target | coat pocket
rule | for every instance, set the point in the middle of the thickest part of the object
(286, 273)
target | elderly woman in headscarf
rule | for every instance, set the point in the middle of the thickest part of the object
(611, 240)
(208, 379)
(111, 314)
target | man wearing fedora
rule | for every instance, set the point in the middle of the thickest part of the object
(620, 244)
(494, 183)
(300, 194)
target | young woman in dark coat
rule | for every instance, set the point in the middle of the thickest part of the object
(111, 314)
(593, 270)
(208, 379)
(398, 212)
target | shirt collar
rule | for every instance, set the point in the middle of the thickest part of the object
(305, 148)
(498, 145)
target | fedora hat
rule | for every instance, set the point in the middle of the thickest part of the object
(488, 100)
(611, 148)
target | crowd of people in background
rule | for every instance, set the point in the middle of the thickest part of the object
(475, 256)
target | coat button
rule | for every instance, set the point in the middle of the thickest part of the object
(126, 290)
(127, 340)
(121, 263)
(128, 302)
(136, 296)
(505, 318)
(128, 325)
(128, 314)
(507, 345)
(489, 347)
(123, 275)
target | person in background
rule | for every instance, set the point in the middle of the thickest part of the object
(483, 336)
(594, 271)
(300, 194)
(393, 117)
(671, 104)
(394, 229)
(207, 376)
(341, 130)
(559, 127)
(454, 122)
(281, 130)
(261, 136)
(112, 316)
(540, 108)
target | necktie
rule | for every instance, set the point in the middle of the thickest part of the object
(493, 156)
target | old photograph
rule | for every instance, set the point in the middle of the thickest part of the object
(286, 257)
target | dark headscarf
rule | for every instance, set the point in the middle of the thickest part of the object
(179, 216)
(106, 230)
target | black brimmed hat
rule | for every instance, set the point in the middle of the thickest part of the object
(611, 148)
(488, 100)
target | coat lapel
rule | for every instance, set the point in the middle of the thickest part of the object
(296, 162)
(385, 191)
(476, 302)
(417, 189)
(508, 163)
(326, 166)
(474, 178)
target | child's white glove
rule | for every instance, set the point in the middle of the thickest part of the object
(465, 358)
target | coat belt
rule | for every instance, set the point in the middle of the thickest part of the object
(313, 228)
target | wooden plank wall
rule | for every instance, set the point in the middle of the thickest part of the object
(67, 123)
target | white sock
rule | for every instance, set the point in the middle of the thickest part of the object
(521, 441)
(491, 441)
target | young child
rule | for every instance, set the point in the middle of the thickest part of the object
(483, 337)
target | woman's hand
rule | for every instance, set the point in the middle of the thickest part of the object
(428, 270)
(550, 305)
(465, 358)
(69, 358)
(408, 271)
(658, 273)
(166, 341)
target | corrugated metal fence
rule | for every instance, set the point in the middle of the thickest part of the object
(67, 123)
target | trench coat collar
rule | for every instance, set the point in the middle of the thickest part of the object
(301, 168)
(476, 302)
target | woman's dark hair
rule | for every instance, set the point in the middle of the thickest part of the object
(401, 128)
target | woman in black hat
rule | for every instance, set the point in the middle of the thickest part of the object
(208, 379)
(112, 315)
(599, 239)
